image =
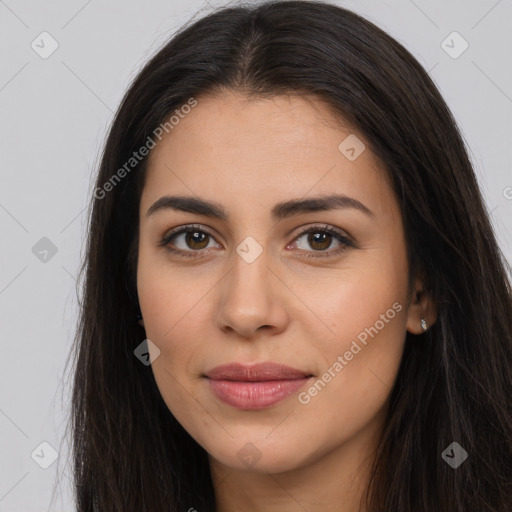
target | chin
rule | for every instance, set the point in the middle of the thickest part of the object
(260, 456)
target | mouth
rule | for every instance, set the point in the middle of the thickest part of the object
(256, 386)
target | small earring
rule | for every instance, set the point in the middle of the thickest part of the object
(424, 324)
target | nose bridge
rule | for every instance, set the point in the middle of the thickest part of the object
(249, 270)
(248, 298)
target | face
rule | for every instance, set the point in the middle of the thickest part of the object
(271, 276)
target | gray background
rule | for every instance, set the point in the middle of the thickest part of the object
(54, 116)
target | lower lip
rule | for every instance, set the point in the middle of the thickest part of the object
(255, 395)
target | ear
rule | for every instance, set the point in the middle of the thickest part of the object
(421, 305)
(140, 320)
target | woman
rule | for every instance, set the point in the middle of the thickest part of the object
(293, 297)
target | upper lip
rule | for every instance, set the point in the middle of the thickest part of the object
(256, 372)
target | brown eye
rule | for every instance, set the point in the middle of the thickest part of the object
(196, 239)
(319, 240)
(191, 239)
(188, 241)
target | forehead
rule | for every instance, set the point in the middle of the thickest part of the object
(241, 148)
(234, 122)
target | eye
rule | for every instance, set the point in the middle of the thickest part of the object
(191, 241)
(320, 238)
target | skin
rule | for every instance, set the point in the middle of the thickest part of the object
(248, 155)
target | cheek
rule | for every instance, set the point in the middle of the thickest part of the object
(351, 299)
(361, 335)
(168, 294)
(173, 306)
(174, 321)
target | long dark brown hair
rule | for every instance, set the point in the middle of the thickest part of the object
(454, 383)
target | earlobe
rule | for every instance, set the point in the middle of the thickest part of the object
(140, 320)
(422, 311)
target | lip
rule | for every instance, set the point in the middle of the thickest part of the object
(257, 386)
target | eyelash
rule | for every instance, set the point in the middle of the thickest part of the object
(324, 228)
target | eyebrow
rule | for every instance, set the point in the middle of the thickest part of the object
(280, 211)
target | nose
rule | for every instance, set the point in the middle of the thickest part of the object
(252, 299)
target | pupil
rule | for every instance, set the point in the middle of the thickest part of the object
(192, 238)
(320, 238)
